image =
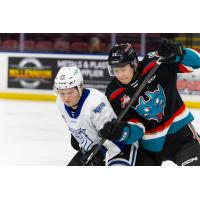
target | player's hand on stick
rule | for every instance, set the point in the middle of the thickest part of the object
(114, 130)
(169, 50)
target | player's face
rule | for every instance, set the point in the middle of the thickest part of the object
(124, 74)
(69, 96)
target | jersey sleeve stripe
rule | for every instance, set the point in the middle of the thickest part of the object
(116, 93)
(148, 67)
(185, 69)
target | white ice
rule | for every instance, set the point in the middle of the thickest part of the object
(33, 133)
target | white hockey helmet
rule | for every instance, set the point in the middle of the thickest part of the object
(69, 77)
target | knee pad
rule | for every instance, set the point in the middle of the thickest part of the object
(189, 154)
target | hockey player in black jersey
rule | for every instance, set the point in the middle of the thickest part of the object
(158, 118)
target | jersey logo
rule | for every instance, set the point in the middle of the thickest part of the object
(62, 77)
(125, 101)
(152, 79)
(135, 84)
(99, 108)
(153, 109)
(81, 137)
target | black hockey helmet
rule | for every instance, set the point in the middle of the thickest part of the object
(121, 55)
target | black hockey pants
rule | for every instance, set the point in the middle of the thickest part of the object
(182, 148)
(80, 158)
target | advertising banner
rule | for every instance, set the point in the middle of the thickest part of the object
(39, 73)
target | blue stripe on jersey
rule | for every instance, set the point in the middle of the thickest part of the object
(153, 144)
(118, 162)
(103, 150)
(180, 124)
(121, 145)
(123, 161)
(75, 114)
(135, 134)
(191, 58)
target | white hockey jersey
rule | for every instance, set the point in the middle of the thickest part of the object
(93, 111)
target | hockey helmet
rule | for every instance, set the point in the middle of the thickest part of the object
(121, 55)
(68, 77)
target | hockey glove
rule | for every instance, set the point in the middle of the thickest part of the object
(170, 51)
(115, 130)
(98, 159)
(74, 143)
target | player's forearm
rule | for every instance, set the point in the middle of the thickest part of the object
(191, 58)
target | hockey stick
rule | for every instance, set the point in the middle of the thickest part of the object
(121, 115)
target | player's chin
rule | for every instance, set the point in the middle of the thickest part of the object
(69, 104)
(125, 81)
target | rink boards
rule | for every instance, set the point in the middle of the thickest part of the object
(30, 76)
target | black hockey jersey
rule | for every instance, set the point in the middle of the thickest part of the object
(159, 109)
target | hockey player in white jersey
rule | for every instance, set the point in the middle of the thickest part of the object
(85, 111)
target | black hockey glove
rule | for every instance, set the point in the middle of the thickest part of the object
(169, 50)
(98, 159)
(74, 143)
(113, 130)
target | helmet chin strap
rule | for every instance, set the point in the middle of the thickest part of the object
(135, 73)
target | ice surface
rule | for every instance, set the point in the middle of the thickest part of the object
(33, 133)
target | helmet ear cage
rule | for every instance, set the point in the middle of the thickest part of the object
(80, 89)
(132, 63)
(134, 60)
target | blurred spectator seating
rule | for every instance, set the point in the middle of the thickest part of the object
(10, 44)
(128, 37)
(29, 45)
(61, 46)
(94, 45)
(137, 47)
(103, 47)
(153, 35)
(79, 47)
(153, 41)
(43, 45)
